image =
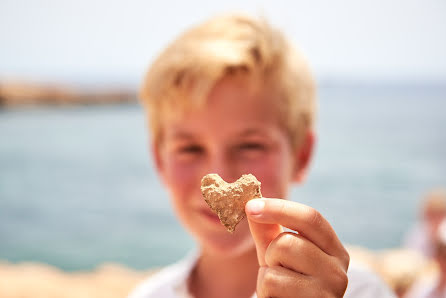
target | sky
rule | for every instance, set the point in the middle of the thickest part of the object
(114, 41)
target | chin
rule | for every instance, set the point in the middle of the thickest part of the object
(229, 245)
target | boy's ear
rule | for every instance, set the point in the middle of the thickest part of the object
(303, 156)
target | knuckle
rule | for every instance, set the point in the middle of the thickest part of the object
(280, 247)
(343, 278)
(345, 259)
(337, 288)
(340, 279)
(314, 217)
(270, 281)
(282, 206)
(285, 243)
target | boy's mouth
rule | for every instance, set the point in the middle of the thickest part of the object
(209, 215)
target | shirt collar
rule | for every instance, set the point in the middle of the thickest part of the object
(185, 267)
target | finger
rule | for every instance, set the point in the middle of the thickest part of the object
(298, 254)
(282, 282)
(301, 218)
(262, 234)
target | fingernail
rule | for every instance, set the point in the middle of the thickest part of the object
(255, 207)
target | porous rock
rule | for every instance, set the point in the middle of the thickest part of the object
(228, 200)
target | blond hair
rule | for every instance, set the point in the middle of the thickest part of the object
(186, 71)
(435, 201)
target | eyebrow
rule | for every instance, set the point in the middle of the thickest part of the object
(183, 135)
(252, 132)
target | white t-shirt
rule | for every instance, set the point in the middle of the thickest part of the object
(171, 282)
(425, 289)
(417, 239)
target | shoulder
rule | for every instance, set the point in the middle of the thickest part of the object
(164, 282)
(363, 283)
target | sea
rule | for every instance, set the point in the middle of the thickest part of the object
(78, 186)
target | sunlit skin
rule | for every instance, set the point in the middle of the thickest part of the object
(433, 219)
(237, 132)
(440, 257)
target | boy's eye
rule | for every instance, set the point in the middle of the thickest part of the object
(251, 146)
(190, 149)
(186, 153)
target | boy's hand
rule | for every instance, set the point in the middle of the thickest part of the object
(312, 263)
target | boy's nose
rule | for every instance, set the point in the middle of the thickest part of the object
(223, 166)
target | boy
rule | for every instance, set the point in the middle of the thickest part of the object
(423, 235)
(232, 97)
(434, 287)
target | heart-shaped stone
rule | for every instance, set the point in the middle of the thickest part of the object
(228, 200)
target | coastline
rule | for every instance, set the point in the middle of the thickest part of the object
(23, 93)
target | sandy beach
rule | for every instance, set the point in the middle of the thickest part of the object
(40, 280)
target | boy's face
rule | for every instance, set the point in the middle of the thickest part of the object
(236, 132)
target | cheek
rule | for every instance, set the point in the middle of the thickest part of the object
(274, 172)
(182, 178)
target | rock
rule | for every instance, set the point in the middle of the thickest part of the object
(228, 200)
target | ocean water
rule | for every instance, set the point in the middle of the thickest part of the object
(77, 186)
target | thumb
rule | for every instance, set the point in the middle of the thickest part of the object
(262, 233)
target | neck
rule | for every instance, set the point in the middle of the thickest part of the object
(215, 276)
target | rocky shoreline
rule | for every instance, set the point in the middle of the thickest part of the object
(28, 93)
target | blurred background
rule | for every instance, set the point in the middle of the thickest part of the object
(77, 185)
